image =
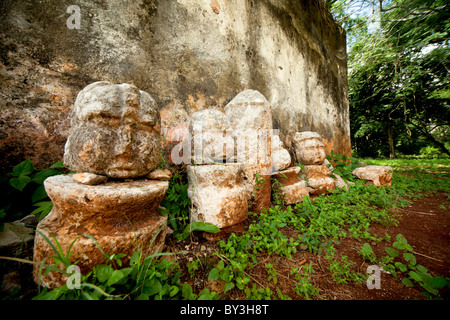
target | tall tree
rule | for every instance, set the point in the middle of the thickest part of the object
(398, 73)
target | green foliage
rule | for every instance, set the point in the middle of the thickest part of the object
(400, 259)
(258, 293)
(398, 74)
(24, 190)
(367, 252)
(343, 165)
(272, 273)
(192, 267)
(303, 286)
(176, 203)
(431, 152)
(341, 270)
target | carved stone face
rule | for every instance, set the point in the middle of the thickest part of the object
(115, 131)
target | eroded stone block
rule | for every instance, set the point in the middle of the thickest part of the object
(281, 159)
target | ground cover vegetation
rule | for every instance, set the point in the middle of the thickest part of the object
(265, 261)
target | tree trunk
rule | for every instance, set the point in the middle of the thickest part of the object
(391, 141)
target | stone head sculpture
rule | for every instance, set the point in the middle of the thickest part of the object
(115, 131)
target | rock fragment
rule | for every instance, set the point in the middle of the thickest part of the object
(89, 178)
(160, 174)
(376, 175)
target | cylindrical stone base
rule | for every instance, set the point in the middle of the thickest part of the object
(118, 215)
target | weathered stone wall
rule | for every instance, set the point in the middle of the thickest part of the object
(188, 54)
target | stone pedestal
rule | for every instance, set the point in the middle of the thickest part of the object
(217, 194)
(116, 214)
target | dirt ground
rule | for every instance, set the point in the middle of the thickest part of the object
(425, 224)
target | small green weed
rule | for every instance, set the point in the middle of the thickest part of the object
(343, 165)
(400, 260)
(303, 286)
(176, 203)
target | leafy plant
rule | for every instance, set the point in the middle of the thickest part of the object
(272, 273)
(258, 293)
(197, 226)
(259, 181)
(341, 270)
(367, 253)
(24, 189)
(176, 203)
(192, 267)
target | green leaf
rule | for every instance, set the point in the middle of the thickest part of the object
(228, 286)
(402, 267)
(143, 296)
(44, 208)
(38, 194)
(438, 282)
(20, 182)
(407, 282)
(422, 269)
(24, 168)
(152, 286)
(41, 175)
(57, 165)
(213, 274)
(116, 276)
(198, 226)
(391, 252)
(135, 258)
(410, 258)
(415, 276)
(174, 291)
(187, 292)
